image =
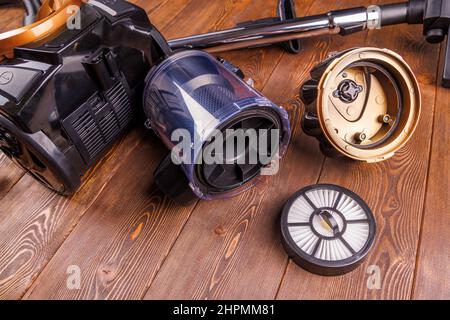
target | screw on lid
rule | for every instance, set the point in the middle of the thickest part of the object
(327, 229)
(362, 103)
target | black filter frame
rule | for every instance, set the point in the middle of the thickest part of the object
(319, 266)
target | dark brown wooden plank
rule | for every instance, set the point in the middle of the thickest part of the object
(37, 221)
(130, 230)
(11, 18)
(121, 240)
(394, 190)
(9, 175)
(231, 248)
(432, 279)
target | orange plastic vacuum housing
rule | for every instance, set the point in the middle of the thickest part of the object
(51, 18)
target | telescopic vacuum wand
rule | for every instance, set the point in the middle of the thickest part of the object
(288, 29)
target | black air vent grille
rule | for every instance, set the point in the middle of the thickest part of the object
(89, 133)
(120, 102)
(97, 123)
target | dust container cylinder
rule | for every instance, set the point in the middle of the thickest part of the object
(189, 98)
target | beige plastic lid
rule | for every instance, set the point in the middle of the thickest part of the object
(368, 103)
(52, 17)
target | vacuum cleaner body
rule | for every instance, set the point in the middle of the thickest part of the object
(65, 101)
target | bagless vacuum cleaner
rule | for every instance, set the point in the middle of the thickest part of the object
(73, 81)
(67, 94)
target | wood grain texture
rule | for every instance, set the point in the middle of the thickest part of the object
(118, 267)
(35, 221)
(38, 226)
(10, 174)
(394, 189)
(118, 244)
(11, 18)
(432, 279)
(237, 248)
(131, 242)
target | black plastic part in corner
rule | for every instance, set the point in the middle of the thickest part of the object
(172, 181)
(310, 125)
(101, 67)
(31, 10)
(446, 71)
(436, 27)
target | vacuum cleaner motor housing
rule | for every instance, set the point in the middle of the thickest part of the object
(65, 101)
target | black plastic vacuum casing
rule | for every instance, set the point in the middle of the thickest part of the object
(68, 100)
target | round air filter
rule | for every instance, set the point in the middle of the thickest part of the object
(327, 229)
(361, 103)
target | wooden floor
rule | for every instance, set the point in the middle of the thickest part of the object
(129, 241)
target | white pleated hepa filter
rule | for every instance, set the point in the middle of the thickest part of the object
(327, 229)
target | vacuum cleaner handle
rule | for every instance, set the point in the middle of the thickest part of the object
(286, 12)
(31, 10)
(435, 17)
(433, 14)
